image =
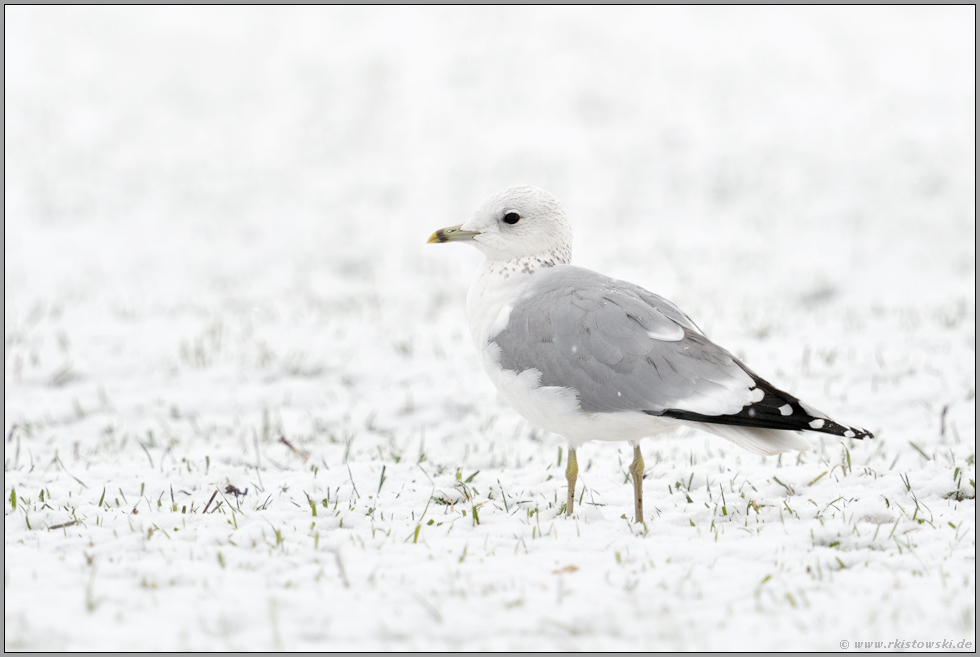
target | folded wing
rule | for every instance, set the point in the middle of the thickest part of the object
(622, 348)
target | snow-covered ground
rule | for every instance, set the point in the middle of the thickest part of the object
(216, 280)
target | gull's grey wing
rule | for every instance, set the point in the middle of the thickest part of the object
(622, 348)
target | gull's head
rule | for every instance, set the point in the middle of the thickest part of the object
(513, 223)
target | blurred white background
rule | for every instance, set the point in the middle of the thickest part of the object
(208, 130)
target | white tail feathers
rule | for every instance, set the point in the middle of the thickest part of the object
(758, 441)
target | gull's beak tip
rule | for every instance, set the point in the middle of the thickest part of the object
(452, 234)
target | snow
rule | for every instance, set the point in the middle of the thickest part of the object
(215, 225)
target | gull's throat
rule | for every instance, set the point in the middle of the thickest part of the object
(527, 265)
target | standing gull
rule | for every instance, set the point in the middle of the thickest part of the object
(594, 358)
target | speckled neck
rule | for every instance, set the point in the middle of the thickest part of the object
(495, 284)
(529, 264)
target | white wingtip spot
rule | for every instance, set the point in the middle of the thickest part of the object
(849, 434)
(786, 409)
(816, 424)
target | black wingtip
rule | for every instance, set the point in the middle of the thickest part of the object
(776, 410)
(826, 425)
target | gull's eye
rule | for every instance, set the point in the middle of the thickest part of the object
(512, 218)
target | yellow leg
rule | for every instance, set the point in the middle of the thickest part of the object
(571, 474)
(636, 471)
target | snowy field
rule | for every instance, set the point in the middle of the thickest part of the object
(242, 409)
